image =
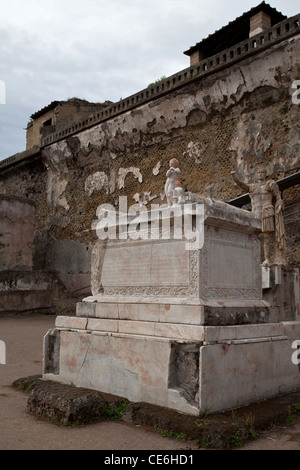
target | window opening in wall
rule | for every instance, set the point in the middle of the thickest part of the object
(47, 123)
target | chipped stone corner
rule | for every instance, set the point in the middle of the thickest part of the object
(51, 352)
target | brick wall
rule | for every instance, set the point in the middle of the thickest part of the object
(259, 22)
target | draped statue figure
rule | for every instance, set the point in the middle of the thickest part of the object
(267, 205)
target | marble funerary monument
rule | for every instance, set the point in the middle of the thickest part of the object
(181, 325)
(194, 326)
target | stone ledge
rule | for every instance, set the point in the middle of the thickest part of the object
(65, 404)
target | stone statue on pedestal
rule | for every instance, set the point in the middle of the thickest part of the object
(267, 205)
(172, 177)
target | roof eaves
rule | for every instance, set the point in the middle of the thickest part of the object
(263, 5)
(44, 110)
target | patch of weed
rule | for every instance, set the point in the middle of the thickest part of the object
(180, 436)
(236, 439)
(114, 412)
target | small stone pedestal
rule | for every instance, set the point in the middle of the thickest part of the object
(183, 329)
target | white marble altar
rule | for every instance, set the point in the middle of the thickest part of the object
(185, 329)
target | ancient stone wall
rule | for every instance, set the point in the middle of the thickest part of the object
(21, 289)
(16, 234)
(61, 115)
(235, 117)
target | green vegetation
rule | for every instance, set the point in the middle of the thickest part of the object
(171, 434)
(289, 417)
(115, 412)
(207, 443)
(249, 422)
(161, 79)
(28, 388)
(296, 407)
(236, 439)
(203, 423)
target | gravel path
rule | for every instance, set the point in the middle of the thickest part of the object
(19, 430)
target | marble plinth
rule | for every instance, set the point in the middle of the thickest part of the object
(184, 329)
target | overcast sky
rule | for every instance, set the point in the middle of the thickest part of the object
(97, 50)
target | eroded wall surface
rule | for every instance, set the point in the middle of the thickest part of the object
(235, 117)
(16, 234)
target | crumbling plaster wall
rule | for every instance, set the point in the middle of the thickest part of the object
(21, 289)
(236, 117)
(232, 118)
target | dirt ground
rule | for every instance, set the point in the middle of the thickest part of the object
(19, 430)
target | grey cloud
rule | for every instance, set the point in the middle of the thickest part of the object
(97, 50)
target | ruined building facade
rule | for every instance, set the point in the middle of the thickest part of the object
(235, 106)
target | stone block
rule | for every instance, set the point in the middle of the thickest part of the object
(99, 324)
(107, 310)
(85, 309)
(238, 332)
(62, 321)
(26, 301)
(266, 277)
(65, 404)
(168, 330)
(133, 364)
(268, 363)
